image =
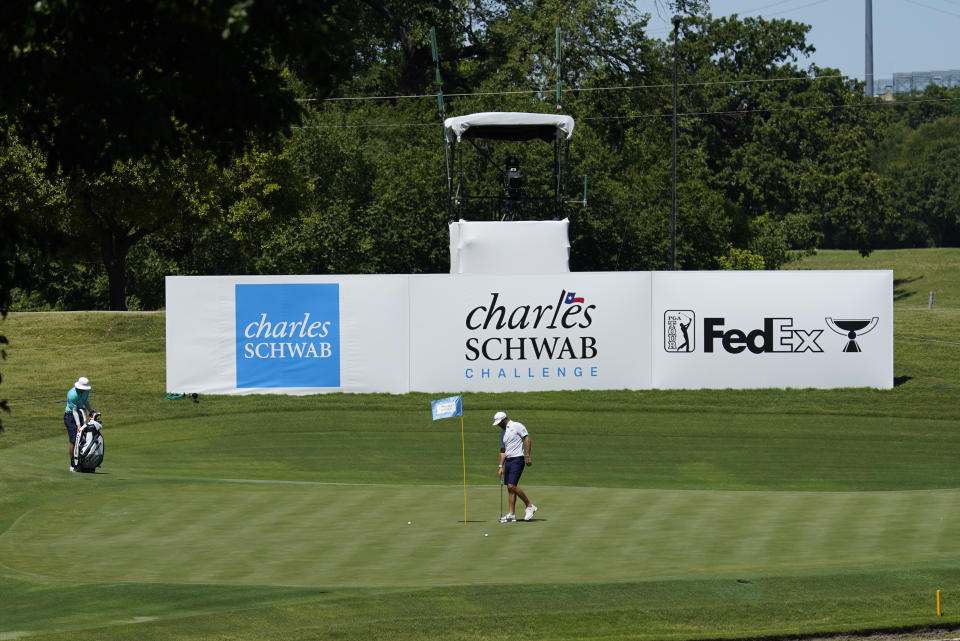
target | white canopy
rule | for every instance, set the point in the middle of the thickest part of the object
(508, 125)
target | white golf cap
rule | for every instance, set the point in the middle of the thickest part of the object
(499, 416)
(82, 383)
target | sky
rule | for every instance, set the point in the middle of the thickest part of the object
(908, 35)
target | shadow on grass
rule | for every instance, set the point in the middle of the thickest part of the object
(900, 380)
(899, 293)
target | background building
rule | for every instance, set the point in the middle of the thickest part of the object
(917, 81)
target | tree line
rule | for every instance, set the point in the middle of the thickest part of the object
(139, 140)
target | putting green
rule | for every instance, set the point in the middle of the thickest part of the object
(313, 534)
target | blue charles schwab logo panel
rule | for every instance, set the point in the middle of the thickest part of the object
(288, 335)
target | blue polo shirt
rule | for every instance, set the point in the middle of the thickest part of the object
(77, 400)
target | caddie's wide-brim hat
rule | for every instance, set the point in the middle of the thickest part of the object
(82, 383)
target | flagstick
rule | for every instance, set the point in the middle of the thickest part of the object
(448, 408)
(463, 455)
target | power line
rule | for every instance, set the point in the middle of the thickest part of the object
(926, 6)
(415, 96)
(803, 6)
(707, 83)
(687, 114)
(735, 112)
(750, 13)
(768, 6)
(369, 125)
(580, 89)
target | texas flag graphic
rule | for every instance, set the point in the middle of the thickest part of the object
(573, 298)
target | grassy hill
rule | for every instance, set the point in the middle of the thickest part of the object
(665, 514)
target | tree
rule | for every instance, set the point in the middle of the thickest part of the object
(374, 195)
(116, 209)
(28, 201)
(788, 148)
(935, 102)
(377, 188)
(104, 81)
(108, 86)
(923, 165)
(771, 157)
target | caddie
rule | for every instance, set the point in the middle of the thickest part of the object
(78, 398)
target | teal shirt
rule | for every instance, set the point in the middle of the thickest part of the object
(77, 399)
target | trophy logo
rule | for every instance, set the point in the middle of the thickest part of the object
(678, 330)
(852, 328)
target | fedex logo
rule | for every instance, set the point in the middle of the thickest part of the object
(778, 335)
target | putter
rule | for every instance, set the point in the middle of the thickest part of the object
(501, 498)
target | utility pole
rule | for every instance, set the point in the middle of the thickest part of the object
(673, 182)
(868, 50)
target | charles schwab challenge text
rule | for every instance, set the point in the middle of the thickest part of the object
(566, 318)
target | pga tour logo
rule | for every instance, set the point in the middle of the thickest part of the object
(774, 335)
(288, 335)
(678, 330)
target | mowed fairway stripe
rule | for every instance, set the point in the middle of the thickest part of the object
(342, 535)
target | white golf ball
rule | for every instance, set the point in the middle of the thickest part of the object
(485, 534)
(409, 522)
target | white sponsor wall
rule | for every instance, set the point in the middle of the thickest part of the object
(207, 351)
(509, 333)
(772, 329)
(453, 333)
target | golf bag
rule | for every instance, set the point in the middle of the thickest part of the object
(88, 450)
